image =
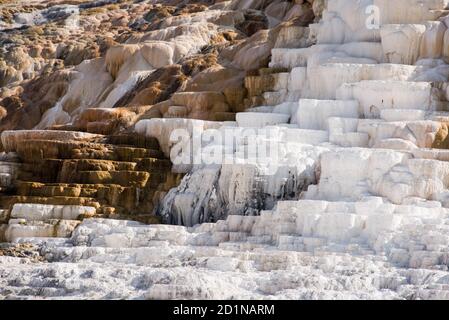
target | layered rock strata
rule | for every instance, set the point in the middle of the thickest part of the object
(350, 201)
(63, 177)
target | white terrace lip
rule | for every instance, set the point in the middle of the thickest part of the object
(333, 185)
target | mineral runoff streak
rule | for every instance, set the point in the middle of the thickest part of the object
(224, 309)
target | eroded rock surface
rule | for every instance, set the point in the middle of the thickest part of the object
(135, 55)
(348, 200)
(59, 178)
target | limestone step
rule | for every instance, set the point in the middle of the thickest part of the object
(314, 114)
(409, 12)
(260, 120)
(273, 98)
(313, 223)
(257, 85)
(112, 194)
(419, 133)
(288, 58)
(402, 114)
(261, 109)
(297, 80)
(95, 164)
(37, 150)
(50, 170)
(45, 171)
(297, 135)
(266, 71)
(434, 154)
(290, 108)
(42, 212)
(21, 228)
(133, 140)
(143, 218)
(375, 96)
(50, 190)
(122, 178)
(401, 43)
(324, 80)
(12, 138)
(350, 139)
(128, 154)
(111, 198)
(151, 164)
(8, 201)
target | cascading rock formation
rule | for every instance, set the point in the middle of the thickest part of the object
(348, 99)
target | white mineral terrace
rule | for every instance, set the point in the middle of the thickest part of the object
(357, 207)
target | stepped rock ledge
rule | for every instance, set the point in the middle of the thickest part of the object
(224, 149)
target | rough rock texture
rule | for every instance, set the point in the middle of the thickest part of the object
(346, 198)
(135, 55)
(62, 177)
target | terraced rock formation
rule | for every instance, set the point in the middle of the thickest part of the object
(348, 197)
(59, 59)
(63, 177)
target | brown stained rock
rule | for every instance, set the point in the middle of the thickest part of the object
(196, 105)
(28, 251)
(118, 175)
(104, 120)
(74, 54)
(197, 63)
(216, 78)
(243, 45)
(155, 88)
(253, 53)
(117, 55)
(4, 217)
(3, 227)
(12, 139)
(442, 137)
(291, 35)
(224, 116)
(162, 83)
(122, 178)
(25, 110)
(105, 43)
(101, 127)
(95, 164)
(133, 140)
(176, 112)
(159, 13)
(9, 201)
(204, 100)
(256, 85)
(255, 21)
(278, 10)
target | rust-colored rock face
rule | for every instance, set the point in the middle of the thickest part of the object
(59, 59)
(120, 176)
(76, 76)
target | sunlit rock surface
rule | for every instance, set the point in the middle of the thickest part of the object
(307, 143)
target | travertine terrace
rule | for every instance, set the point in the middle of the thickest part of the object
(353, 95)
